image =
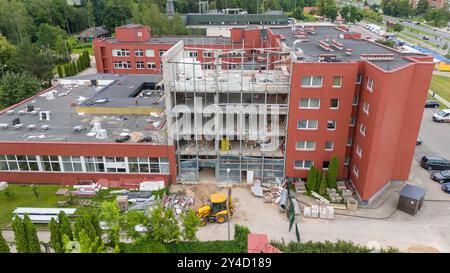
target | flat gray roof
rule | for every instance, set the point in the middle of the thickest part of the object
(412, 192)
(63, 117)
(312, 50)
(188, 40)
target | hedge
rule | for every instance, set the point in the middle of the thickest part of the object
(326, 247)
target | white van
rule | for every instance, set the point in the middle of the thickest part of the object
(442, 116)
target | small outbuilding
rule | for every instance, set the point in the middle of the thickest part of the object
(411, 199)
(90, 34)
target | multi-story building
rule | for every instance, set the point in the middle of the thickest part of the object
(262, 104)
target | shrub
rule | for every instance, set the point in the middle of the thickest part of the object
(326, 247)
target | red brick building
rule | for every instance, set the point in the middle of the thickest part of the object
(343, 96)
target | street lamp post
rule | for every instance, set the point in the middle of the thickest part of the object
(228, 204)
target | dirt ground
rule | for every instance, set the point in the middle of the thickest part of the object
(425, 232)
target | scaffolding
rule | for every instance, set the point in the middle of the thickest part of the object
(228, 115)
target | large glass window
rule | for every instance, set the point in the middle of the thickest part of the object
(303, 164)
(307, 124)
(310, 103)
(149, 53)
(312, 81)
(120, 52)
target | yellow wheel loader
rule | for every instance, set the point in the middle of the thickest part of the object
(218, 209)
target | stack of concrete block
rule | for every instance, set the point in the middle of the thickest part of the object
(340, 185)
(122, 202)
(326, 212)
(300, 187)
(346, 195)
(352, 204)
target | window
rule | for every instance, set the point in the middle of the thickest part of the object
(347, 160)
(120, 52)
(359, 150)
(312, 81)
(352, 121)
(303, 164)
(325, 165)
(206, 66)
(305, 145)
(310, 103)
(232, 66)
(362, 129)
(72, 164)
(50, 163)
(349, 141)
(366, 107)
(161, 65)
(359, 78)
(356, 170)
(140, 65)
(151, 65)
(149, 53)
(334, 103)
(138, 52)
(191, 54)
(122, 65)
(331, 125)
(337, 81)
(329, 145)
(20, 162)
(94, 164)
(139, 33)
(161, 52)
(355, 100)
(207, 54)
(307, 124)
(148, 165)
(370, 84)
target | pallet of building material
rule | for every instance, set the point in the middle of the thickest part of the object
(300, 187)
(339, 206)
(326, 212)
(314, 211)
(62, 192)
(311, 212)
(257, 191)
(319, 197)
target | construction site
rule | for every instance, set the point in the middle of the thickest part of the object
(227, 118)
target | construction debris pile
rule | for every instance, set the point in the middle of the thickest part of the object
(141, 200)
(179, 202)
(270, 192)
(87, 190)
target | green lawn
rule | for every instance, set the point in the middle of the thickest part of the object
(441, 85)
(22, 196)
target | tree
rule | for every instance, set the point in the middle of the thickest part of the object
(64, 225)
(20, 235)
(333, 172)
(34, 245)
(116, 13)
(29, 58)
(351, 14)
(422, 7)
(35, 192)
(61, 71)
(132, 219)
(312, 179)
(15, 22)
(163, 225)
(49, 36)
(398, 27)
(330, 10)
(55, 236)
(110, 214)
(7, 51)
(190, 225)
(15, 87)
(4, 248)
(323, 184)
(318, 181)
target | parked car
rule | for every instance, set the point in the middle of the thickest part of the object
(431, 104)
(442, 116)
(434, 163)
(123, 139)
(441, 177)
(446, 187)
(419, 141)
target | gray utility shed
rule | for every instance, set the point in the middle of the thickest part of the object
(411, 199)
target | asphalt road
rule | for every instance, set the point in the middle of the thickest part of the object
(435, 136)
(435, 31)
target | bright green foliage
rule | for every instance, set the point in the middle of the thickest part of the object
(20, 235)
(326, 247)
(34, 245)
(35, 192)
(190, 225)
(318, 180)
(60, 71)
(64, 225)
(163, 225)
(4, 248)
(110, 214)
(332, 173)
(55, 236)
(130, 220)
